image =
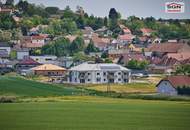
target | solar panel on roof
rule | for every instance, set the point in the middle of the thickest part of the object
(110, 67)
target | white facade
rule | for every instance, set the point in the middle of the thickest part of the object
(99, 74)
(45, 59)
(21, 54)
(165, 87)
(8, 49)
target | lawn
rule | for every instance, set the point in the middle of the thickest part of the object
(17, 86)
(95, 113)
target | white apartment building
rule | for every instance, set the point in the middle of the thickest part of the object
(99, 74)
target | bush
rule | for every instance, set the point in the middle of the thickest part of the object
(7, 99)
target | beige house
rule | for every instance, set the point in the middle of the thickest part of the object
(49, 70)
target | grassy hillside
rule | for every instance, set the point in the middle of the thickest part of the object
(96, 114)
(17, 86)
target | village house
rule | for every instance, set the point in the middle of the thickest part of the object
(165, 57)
(146, 31)
(99, 73)
(101, 43)
(32, 42)
(104, 31)
(49, 70)
(5, 10)
(117, 53)
(5, 50)
(25, 64)
(46, 59)
(161, 49)
(125, 58)
(171, 85)
(71, 37)
(65, 62)
(125, 39)
(87, 34)
(21, 53)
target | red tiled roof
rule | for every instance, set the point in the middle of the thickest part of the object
(100, 42)
(126, 30)
(146, 30)
(177, 81)
(179, 56)
(136, 56)
(166, 47)
(32, 45)
(125, 37)
(28, 61)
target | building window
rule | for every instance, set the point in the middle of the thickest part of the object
(98, 73)
(119, 73)
(125, 73)
(119, 79)
(98, 79)
(104, 79)
(88, 79)
(104, 74)
(88, 73)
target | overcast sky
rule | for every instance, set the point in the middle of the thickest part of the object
(140, 8)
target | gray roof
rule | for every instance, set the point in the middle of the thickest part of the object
(98, 67)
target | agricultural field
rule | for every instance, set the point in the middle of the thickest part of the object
(66, 107)
(125, 88)
(95, 113)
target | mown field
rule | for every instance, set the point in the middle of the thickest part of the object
(41, 106)
(95, 113)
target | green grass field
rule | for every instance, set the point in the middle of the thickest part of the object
(43, 106)
(96, 114)
(17, 86)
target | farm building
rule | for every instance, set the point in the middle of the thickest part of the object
(174, 85)
(99, 73)
(49, 70)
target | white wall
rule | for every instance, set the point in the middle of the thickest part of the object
(92, 77)
(166, 88)
(21, 55)
(8, 49)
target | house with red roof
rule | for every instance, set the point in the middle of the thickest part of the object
(26, 64)
(146, 31)
(126, 38)
(125, 58)
(101, 43)
(32, 42)
(174, 85)
(165, 48)
(6, 10)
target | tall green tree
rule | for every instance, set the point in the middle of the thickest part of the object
(77, 45)
(91, 48)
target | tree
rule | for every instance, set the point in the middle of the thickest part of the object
(23, 5)
(77, 45)
(134, 64)
(6, 22)
(9, 3)
(113, 19)
(60, 47)
(5, 36)
(183, 69)
(52, 10)
(106, 21)
(91, 48)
